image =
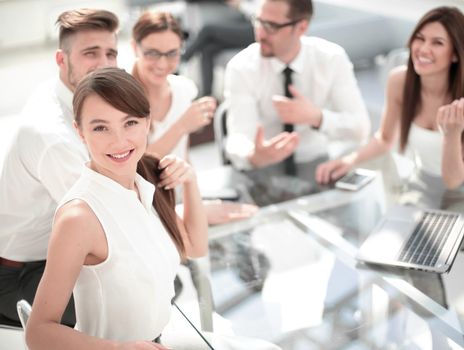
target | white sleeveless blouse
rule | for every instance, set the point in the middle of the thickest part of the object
(426, 146)
(128, 296)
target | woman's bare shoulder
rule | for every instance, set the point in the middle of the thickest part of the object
(396, 82)
(76, 217)
(397, 76)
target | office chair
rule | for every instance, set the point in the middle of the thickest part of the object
(220, 131)
(200, 272)
(24, 311)
(394, 58)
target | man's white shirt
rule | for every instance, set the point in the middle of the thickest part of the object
(41, 163)
(322, 72)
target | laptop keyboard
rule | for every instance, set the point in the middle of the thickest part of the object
(426, 242)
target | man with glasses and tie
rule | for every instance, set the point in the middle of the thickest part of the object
(292, 99)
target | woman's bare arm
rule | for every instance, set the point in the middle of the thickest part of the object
(77, 239)
(450, 119)
(383, 139)
(194, 223)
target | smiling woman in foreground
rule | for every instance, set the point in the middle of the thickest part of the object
(108, 242)
(117, 242)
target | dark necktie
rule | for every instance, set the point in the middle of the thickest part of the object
(290, 168)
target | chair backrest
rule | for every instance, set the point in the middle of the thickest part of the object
(200, 272)
(393, 59)
(220, 131)
(24, 311)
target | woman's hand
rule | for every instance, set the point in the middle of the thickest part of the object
(141, 345)
(175, 172)
(221, 212)
(333, 170)
(199, 114)
(450, 118)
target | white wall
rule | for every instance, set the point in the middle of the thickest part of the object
(32, 22)
(408, 9)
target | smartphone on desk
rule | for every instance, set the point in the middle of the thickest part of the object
(355, 180)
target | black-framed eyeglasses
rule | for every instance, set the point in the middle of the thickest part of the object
(155, 55)
(272, 27)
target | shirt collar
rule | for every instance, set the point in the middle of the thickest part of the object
(296, 65)
(65, 96)
(146, 189)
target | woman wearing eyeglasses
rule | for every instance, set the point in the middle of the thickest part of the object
(157, 43)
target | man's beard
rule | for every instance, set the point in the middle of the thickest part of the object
(72, 79)
(266, 53)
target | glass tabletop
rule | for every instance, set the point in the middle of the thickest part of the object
(301, 287)
(262, 187)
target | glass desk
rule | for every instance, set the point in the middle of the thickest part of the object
(300, 287)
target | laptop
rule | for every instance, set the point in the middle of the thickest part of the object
(409, 237)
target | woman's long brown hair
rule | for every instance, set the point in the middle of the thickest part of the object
(122, 91)
(164, 201)
(452, 19)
